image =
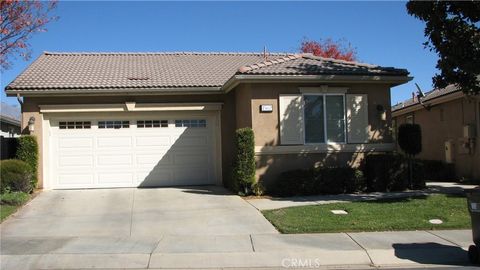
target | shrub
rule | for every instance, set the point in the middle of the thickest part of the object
(319, 181)
(14, 198)
(28, 151)
(410, 138)
(244, 166)
(339, 180)
(296, 182)
(436, 170)
(389, 172)
(16, 175)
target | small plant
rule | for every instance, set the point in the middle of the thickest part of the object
(14, 198)
(244, 166)
(258, 189)
(15, 175)
(27, 151)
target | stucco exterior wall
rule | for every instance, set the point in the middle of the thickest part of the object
(266, 125)
(444, 122)
(241, 108)
(266, 128)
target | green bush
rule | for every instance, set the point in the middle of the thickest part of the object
(389, 172)
(436, 170)
(14, 198)
(244, 164)
(319, 181)
(410, 138)
(28, 151)
(15, 175)
(296, 182)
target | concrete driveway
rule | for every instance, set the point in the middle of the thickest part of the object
(136, 213)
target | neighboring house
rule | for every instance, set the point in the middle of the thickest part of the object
(9, 120)
(161, 119)
(450, 123)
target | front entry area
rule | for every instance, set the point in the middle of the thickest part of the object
(132, 149)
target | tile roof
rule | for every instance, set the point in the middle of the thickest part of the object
(307, 64)
(10, 113)
(52, 71)
(428, 96)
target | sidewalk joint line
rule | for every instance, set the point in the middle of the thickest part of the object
(364, 249)
(251, 242)
(457, 245)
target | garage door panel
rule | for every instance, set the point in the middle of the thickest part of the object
(153, 141)
(75, 143)
(77, 160)
(115, 178)
(190, 140)
(68, 179)
(152, 160)
(112, 141)
(155, 178)
(131, 156)
(191, 159)
(107, 160)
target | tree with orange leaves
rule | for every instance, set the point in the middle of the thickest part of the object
(19, 19)
(329, 49)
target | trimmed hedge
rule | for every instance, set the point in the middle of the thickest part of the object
(436, 170)
(381, 173)
(244, 164)
(410, 138)
(389, 172)
(16, 175)
(28, 151)
(319, 181)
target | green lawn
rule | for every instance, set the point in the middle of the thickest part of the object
(7, 210)
(10, 202)
(382, 215)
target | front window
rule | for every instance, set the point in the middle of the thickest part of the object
(324, 118)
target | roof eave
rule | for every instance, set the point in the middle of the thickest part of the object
(431, 102)
(384, 79)
(113, 91)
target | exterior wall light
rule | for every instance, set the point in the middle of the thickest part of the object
(31, 124)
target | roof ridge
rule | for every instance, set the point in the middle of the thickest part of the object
(261, 64)
(315, 57)
(165, 53)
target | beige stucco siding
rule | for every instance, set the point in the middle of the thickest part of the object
(444, 122)
(266, 125)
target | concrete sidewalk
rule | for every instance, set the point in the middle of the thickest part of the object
(352, 250)
(432, 188)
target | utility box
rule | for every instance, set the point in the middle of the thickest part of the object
(449, 152)
(469, 131)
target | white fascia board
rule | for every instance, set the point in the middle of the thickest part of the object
(235, 80)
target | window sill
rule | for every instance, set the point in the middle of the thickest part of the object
(324, 148)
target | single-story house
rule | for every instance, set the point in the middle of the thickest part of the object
(165, 119)
(450, 122)
(9, 120)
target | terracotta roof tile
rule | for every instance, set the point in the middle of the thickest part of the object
(144, 70)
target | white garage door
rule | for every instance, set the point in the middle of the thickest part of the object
(130, 150)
